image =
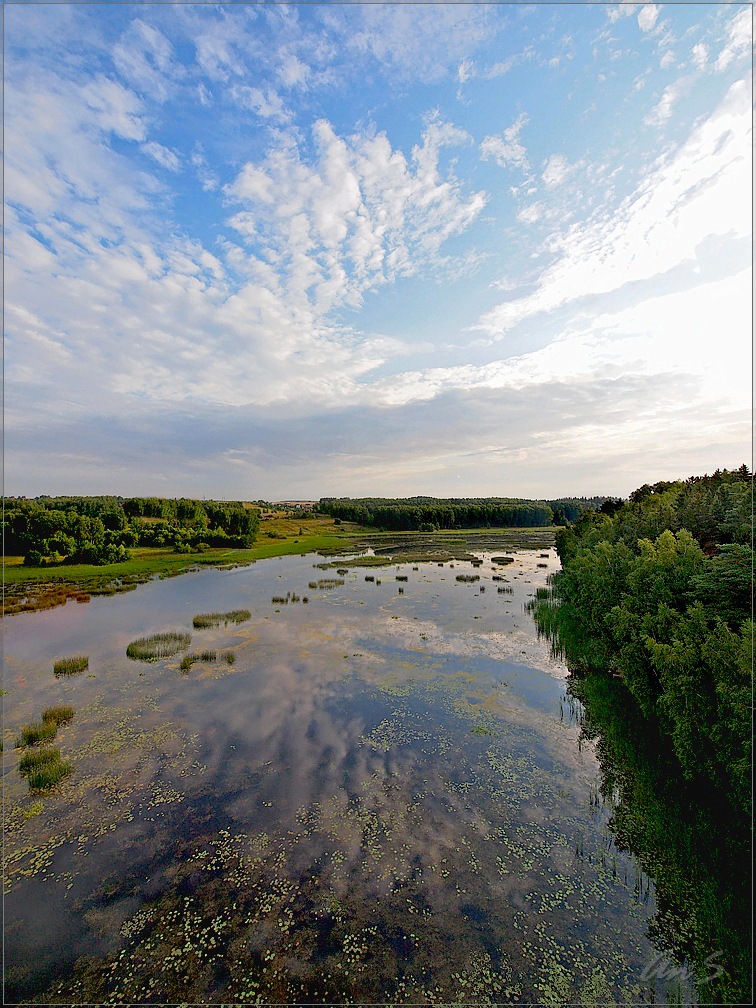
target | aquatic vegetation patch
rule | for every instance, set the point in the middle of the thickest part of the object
(31, 734)
(467, 578)
(502, 559)
(71, 666)
(43, 768)
(161, 645)
(59, 715)
(202, 620)
(200, 656)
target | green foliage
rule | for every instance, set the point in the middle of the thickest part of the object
(429, 514)
(100, 530)
(666, 609)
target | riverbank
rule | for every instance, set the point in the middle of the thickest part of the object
(29, 589)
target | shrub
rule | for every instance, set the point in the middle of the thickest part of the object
(161, 645)
(72, 665)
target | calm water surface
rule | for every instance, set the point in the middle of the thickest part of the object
(383, 799)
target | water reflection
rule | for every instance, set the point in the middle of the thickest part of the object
(381, 799)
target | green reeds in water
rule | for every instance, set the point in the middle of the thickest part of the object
(58, 715)
(31, 734)
(72, 665)
(201, 656)
(468, 578)
(161, 645)
(43, 768)
(202, 620)
(46, 729)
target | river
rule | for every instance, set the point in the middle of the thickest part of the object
(385, 798)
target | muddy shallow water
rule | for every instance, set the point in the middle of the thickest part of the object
(383, 798)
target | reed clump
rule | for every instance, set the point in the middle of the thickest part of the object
(542, 565)
(200, 656)
(213, 619)
(503, 590)
(58, 715)
(43, 768)
(38, 732)
(71, 666)
(468, 578)
(502, 559)
(161, 645)
(402, 577)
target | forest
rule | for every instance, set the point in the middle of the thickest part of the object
(658, 595)
(652, 612)
(100, 530)
(431, 514)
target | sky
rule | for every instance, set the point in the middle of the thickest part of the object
(285, 251)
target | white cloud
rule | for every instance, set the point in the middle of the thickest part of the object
(165, 157)
(700, 54)
(357, 216)
(507, 149)
(465, 71)
(293, 72)
(144, 57)
(695, 193)
(662, 111)
(556, 170)
(266, 103)
(737, 38)
(667, 60)
(531, 214)
(647, 17)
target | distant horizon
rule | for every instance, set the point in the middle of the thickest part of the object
(354, 496)
(395, 246)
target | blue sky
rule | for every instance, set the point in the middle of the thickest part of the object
(288, 251)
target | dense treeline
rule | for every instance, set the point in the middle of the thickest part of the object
(430, 514)
(659, 594)
(100, 530)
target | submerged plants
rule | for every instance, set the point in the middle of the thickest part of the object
(161, 645)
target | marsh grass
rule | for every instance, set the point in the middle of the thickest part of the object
(503, 590)
(280, 600)
(229, 657)
(468, 578)
(542, 565)
(327, 583)
(201, 656)
(58, 715)
(72, 665)
(370, 577)
(502, 559)
(39, 732)
(35, 758)
(161, 645)
(202, 620)
(402, 577)
(47, 774)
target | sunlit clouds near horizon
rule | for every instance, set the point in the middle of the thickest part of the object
(289, 251)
